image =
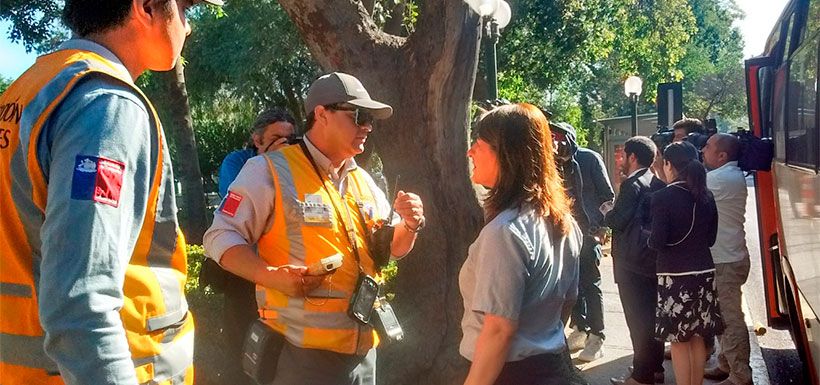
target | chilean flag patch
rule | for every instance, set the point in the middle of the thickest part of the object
(97, 179)
(231, 203)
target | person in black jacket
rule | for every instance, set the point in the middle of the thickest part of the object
(588, 185)
(634, 263)
(684, 226)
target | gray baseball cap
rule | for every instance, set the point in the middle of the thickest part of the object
(339, 87)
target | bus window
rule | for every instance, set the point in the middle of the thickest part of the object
(786, 30)
(801, 131)
(813, 20)
(764, 75)
(778, 113)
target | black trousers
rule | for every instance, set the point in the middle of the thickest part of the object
(543, 369)
(238, 312)
(639, 296)
(588, 312)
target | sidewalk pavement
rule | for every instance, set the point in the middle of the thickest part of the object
(618, 348)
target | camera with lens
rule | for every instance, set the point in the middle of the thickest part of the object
(294, 139)
(701, 134)
(663, 137)
(698, 134)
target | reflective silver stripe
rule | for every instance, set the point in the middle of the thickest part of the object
(163, 244)
(261, 297)
(316, 320)
(175, 357)
(287, 189)
(293, 319)
(15, 290)
(25, 351)
(321, 292)
(175, 304)
(295, 334)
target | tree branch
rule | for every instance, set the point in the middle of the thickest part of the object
(347, 37)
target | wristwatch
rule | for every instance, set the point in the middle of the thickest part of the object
(418, 227)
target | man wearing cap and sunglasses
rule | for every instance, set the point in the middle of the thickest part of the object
(92, 262)
(303, 203)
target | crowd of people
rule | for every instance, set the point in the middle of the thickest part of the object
(94, 262)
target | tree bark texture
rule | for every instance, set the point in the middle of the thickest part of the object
(428, 78)
(180, 126)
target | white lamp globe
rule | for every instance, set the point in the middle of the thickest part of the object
(633, 86)
(502, 14)
(487, 7)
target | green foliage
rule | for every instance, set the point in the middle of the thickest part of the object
(514, 87)
(4, 83)
(196, 256)
(253, 52)
(206, 306)
(241, 61)
(385, 10)
(389, 273)
(222, 125)
(35, 23)
(572, 56)
(714, 80)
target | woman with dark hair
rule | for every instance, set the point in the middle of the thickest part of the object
(684, 226)
(521, 273)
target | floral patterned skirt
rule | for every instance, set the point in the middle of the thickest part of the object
(687, 306)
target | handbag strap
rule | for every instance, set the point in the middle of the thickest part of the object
(692, 226)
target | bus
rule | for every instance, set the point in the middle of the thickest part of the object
(782, 97)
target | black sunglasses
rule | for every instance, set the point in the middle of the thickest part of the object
(361, 116)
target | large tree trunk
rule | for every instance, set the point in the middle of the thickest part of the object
(428, 79)
(180, 126)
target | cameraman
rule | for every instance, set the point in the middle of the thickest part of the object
(680, 130)
(270, 132)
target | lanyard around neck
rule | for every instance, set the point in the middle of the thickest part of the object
(348, 228)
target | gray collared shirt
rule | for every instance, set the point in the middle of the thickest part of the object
(728, 186)
(254, 214)
(86, 246)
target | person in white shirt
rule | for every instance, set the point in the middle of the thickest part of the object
(731, 257)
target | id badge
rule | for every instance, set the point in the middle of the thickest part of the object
(315, 211)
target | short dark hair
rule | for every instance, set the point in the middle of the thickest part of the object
(643, 148)
(266, 118)
(85, 17)
(689, 124)
(270, 116)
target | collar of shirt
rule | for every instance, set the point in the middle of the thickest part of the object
(636, 172)
(728, 167)
(88, 45)
(336, 175)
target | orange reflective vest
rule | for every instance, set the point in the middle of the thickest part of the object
(155, 314)
(319, 321)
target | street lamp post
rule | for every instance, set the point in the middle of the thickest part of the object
(632, 88)
(490, 58)
(495, 15)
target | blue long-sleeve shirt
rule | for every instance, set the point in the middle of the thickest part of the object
(231, 166)
(86, 245)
